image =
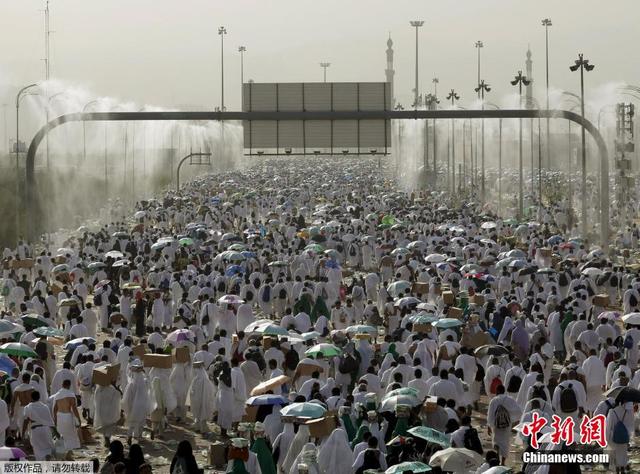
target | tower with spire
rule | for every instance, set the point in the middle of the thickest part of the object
(390, 72)
(529, 90)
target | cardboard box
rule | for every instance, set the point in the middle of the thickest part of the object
(477, 299)
(182, 355)
(139, 350)
(106, 375)
(448, 298)
(455, 312)
(250, 414)
(420, 288)
(430, 405)
(322, 426)
(218, 454)
(266, 342)
(84, 434)
(601, 300)
(545, 252)
(159, 361)
(421, 328)
(305, 370)
(25, 263)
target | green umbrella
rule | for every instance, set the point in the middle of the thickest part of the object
(413, 466)
(303, 410)
(317, 248)
(270, 330)
(403, 391)
(423, 318)
(237, 247)
(46, 331)
(231, 256)
(445, 323)
(186, 241)
(362, 329)
(62, 268)
(388, 220)
(327, 350)
(430, 435)
(33, 320)
(17, 349)
(510, 221)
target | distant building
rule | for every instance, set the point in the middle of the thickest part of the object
(529, 74)
(390, 72)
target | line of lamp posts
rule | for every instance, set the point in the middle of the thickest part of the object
(474, 173)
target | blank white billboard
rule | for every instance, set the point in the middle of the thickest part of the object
(309, 136)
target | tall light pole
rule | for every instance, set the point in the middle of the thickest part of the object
(19, 96)
(479, 45)
(583, 64)
(242, 50)
(453, 96)
(84, 130)
(324, 66)
(435, 82)
(222, 31)
(416, 24)
(47, 115)
(481, 89)
(547, 23)
(5, 142)
(519, 81)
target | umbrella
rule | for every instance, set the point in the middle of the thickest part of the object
(139, 215)
(435, 258)
(267, 399)
(413, 466)
(417, 244)
(628, 394)
(101, 283)
(430, 435)
(389, 403)
(445, 323)
(592, 272)
(278, 263)
(554, 240)
(159, 245)
(72, 344)
(516, 253)
(94, 266)
(362, 329)
(34, 320)
(68, 302)
(47, 331)
(267, 329)
(7, 327)
(398, 287)
(446, 267)
(131, 286)
(6, 364)
(456, 459)
(231, 256)
(407, 301)
(62, 268)
(303, 410)
(317, 248)
(186, 241)
(270, 384)
(309, 336)
(400, 251)
(237, 247)
(17, 349)
(331, 253)
(526, 271)
(325, 349)
(230, 299)
(403, 391)
(121, 263)
(518, 263)
(7, 454)
(429, 307)
(180, 335)
(423, 318)
(488, 225)
(470, 268)
(234, 270)
(115, 254)
(546, 271)
(631, 318)
(490, 349)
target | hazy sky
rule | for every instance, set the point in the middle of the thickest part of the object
(167, 52)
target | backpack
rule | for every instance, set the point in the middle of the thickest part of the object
(568, 401)
(291, 359)
(282, 294)
(495, 383)
(348, 364)
(613, 281)
(479, 373)
(472, 440)
(514, 384)
(538, 392)
(352, 251)
(562, 279)
(503, 418)
(266, 294)
(608, 358)
(628, 342)
(97, 300)
(633, 301)
(620, 431)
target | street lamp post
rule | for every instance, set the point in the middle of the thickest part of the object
(19, 96)
(222, 31)
(324, 65)
(84, 131)
(479, 45)
(481, 89)
(416, 24)
(47, 117)
(583, 64)
(453, 96)
(547, 23)
(242, 50)
(519, 81)
(435, 82)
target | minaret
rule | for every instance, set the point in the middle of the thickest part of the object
(529, 92)
(389, 72)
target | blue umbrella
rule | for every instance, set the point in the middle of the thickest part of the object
(331, 264)
(447, 323)
(268, 399)
(71, 345)
(234, 270)
(554, 239)
(6, 364)
(249, 254)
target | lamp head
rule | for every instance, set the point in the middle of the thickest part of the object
(588, 67)
(479, 44)
(416, 23)
(515, 81)
(222, 30)
(575, 67)
(547, 22)
(526, 81)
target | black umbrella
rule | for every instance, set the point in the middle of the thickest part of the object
(628, 394)
(491, 350)
(527, 271)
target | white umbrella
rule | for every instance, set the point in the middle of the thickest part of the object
(435, 258)
(631, 318)
(488, 225)
(456, 459)
(592, 272)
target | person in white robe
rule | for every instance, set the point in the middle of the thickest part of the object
(225, 395)
(501, 435)
(336, 456)
(288, 453)
(619, 452)
(107, 401)
(201, 397)
(136, 401)
(39, 423)
(180, 380)
(595, 377)
(239, 392)
(5, 421)
(66, 414)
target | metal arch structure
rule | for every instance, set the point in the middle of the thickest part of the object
(342, 115)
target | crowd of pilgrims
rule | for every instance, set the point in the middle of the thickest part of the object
(316, 289)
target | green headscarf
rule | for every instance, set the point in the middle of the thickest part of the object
(265, 458)
(348, 426)
(238, 467)
(359, 435)
(319, 308)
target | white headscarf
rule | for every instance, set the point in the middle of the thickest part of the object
(335, 455)
(304, 457)
(299, 440)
